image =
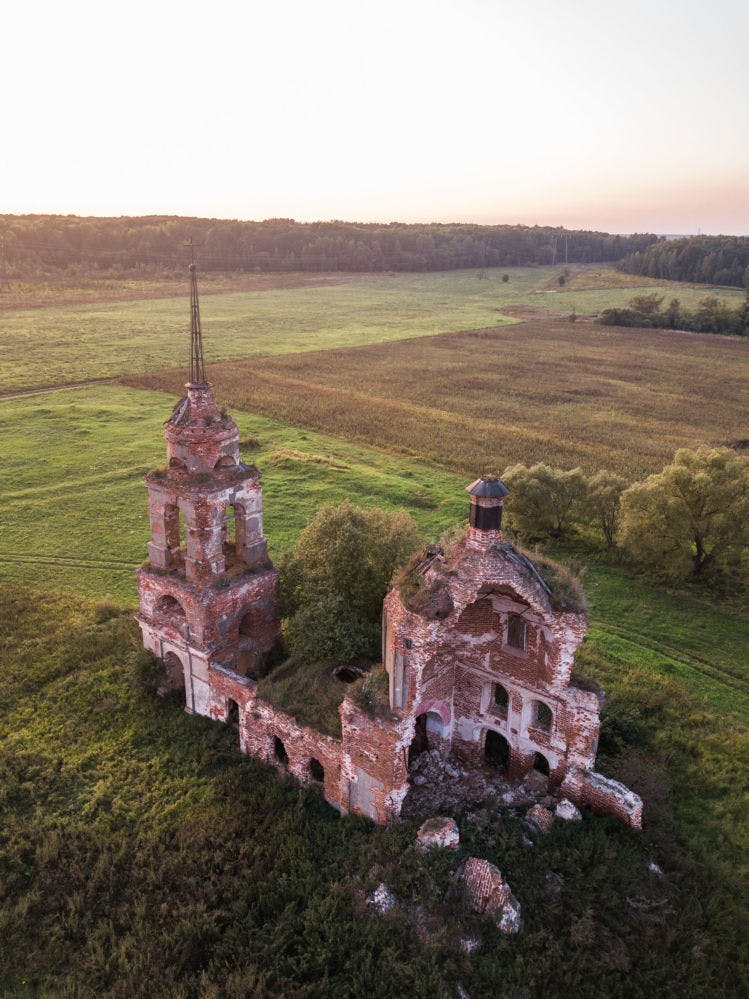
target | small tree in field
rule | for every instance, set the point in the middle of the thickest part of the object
(334, 582)
(604, 502)
(691, 519)
(545, 501)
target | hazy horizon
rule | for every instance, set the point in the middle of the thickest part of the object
(614, 119)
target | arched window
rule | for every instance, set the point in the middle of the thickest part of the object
(226, 462)
(232, 713)
(543, 717)
(316, 771)
(501, 699)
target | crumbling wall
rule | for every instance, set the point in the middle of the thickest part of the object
(374, 763)
(602, 794)
(260, 725)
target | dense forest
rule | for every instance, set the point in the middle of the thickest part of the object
(704, 259)
(41, 244)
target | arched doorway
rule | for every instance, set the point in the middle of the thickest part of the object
(496, 750)
(175, 672)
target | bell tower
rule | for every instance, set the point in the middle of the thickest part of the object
(208, 592)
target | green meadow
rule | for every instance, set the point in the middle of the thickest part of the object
(52, 346)
(142, 856)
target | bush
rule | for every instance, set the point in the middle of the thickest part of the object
(333, 584)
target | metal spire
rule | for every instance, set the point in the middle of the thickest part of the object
(197, 366)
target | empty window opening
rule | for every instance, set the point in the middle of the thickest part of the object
(279, 751)
(232, 713)
(233, 526)
(541, 764)
(177, 464)
(226, 462)
(516, 632)
(496, 750)
(171, 609)
(174, 529)
(542, 716)
(316, 771)
(420, 741)
(501, 699)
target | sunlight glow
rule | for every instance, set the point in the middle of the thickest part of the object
(620, 117)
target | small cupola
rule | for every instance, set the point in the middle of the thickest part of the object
(487, 496)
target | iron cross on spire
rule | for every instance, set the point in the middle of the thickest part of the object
(197, 366)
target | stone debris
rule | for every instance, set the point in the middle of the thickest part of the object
(489, 894)
(541, 818)
(567, 811)
(510, 921)
(382, 899)
(438, 784)
(470, 944)
(439, 832)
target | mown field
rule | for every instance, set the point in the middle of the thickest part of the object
(50, 346)
(542, 390)
(141, 856)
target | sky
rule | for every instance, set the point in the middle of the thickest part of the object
(620, 116)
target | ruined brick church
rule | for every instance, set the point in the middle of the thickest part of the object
(479, 660)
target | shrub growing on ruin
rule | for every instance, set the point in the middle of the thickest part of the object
(691, 519)
(334, 582)
(545, 501)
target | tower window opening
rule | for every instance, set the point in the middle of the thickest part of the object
(516, 632)
(232, 713)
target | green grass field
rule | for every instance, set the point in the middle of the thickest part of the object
(50, 346)
(141, 856)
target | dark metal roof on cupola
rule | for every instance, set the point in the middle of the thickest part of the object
(490, 487)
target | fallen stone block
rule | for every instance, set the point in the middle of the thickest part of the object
(489, 894)
(541, 818)
(567, 811)
(381, 900)
(438, 832)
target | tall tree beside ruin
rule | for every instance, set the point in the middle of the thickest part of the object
(691, 519)
(545, 502)
(604, 503)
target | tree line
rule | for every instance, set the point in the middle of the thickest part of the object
(41, 244)
(720, 260)
(689, 521)
(713, 315)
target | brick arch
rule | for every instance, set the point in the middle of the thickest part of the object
(442, 708)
